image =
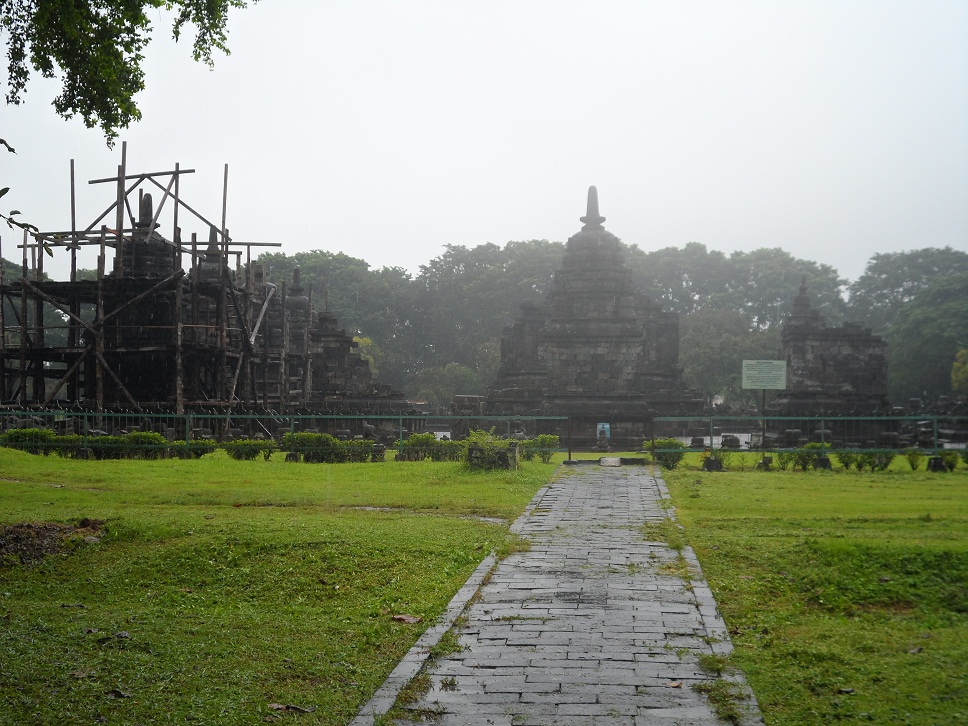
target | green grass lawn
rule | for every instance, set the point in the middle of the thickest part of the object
(846, 593)
(220, 587)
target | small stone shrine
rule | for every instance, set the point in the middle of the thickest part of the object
(838, 371)
(595, 349)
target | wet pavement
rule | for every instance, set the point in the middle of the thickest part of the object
(595, 624)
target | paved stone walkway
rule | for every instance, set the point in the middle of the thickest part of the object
(594, 625)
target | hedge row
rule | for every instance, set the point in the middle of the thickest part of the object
(134, 445)
(480, 450)
(670, 452)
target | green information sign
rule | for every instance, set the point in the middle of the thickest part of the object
(764, 374)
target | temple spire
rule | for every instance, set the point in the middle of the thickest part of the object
(592, 219)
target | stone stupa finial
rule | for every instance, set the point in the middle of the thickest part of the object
(145, 211)
(802, 309)
(592, 219)
(212, 240)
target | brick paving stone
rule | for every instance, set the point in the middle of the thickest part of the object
(584, 628)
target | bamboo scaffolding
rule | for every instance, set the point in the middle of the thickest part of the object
(147, 331)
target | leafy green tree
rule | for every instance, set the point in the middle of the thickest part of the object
(893, 279)
(438, 385)
(96, 47)
(55, 322)
(11, 270)
(376, 304)
(467, 295)
(760, 284)
(682, 279)
(959, 373)
(487, 359)
(712, 347)
(764, 282)
(926, 336)
(370, 352)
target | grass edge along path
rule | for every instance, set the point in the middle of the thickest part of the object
(846, 593)
(223, 593)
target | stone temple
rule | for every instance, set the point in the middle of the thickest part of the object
(595, 349)
(830, 370)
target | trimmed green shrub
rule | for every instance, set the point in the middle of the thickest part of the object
(249, 449)
(547, 444)
(848, 458)
(914, 457)
(446, 451)
(72, 446)
(875, 460)
(358, 450)
(485, 450)
(527, 448)
(784, 459)
(950, 459)
(315, 448)
(144, 445)
(416, 447)
(667, 452)
(33, 441)
(806, 456)
(190, 449)
(106, 447)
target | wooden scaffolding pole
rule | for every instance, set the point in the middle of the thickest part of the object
(72, 330)
(3, 334)
(38, 382)
(179, 362)
(99, 337)
(307, 382)
(23, 328)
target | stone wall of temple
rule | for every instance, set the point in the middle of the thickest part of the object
(836, 370)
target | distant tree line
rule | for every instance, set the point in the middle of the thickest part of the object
(437, 332)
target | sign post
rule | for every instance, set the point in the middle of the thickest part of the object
(766, 375)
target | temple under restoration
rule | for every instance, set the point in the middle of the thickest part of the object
(148, 334)
(595, 349)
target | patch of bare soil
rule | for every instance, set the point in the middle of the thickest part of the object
(27, 543)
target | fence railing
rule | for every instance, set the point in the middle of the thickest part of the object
(930, 433)
(221, 427)
(894, 433)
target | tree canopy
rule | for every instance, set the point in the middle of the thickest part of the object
(760, 285)
(926, 337)
(893, 279)
(441, 328)
(959, 373)
(96, 47)
(437, 332)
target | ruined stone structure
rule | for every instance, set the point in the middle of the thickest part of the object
(836, 371)
(595, 349)
(149, 334)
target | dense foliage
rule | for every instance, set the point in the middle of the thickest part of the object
(95, 47)
(666, 452)
(926, 336)
(437, 333)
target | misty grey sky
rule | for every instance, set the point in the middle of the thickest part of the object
(386, 130)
